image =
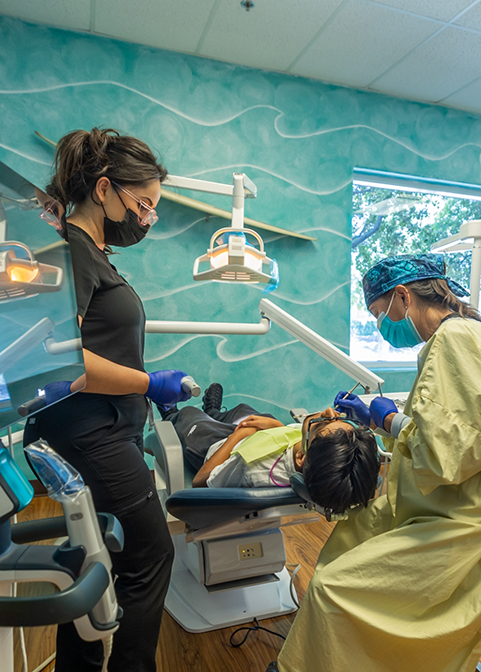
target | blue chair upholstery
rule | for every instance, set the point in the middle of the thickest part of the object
(203, 507)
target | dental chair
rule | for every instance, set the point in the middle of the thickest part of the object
(230, 558)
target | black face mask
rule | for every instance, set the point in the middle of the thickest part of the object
(129, 231)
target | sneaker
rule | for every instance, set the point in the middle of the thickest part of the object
(212, 399)
(166, 409)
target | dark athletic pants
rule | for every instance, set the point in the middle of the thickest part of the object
(197, 431)
(101, 436)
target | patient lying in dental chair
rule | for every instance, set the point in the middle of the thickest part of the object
(241, 447)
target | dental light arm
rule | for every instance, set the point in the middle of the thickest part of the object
(230, 257)
(468, 238)
(3, 222)
(25, 343)
(321, 346)
(210, 187)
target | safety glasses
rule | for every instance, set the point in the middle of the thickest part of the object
(50, 215)
(313, 420)
(147, 214)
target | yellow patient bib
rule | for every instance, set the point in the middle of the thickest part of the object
(267, 442)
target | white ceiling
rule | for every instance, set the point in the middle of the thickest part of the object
(424, 50)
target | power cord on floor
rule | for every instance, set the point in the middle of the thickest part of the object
(253, 628)
(46, 663)
(249, 629)
(296, 568)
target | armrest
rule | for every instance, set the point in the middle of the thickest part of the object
(169, 456)
(73, 602)
(50, 528)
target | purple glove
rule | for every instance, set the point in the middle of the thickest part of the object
(165, 387)
(353, 407)
(380, 407)
(56, 391)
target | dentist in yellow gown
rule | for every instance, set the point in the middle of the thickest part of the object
(397, 587)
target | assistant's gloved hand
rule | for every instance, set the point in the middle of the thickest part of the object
(380, 407)
(353, 407)
(165, 387)
(56, 391)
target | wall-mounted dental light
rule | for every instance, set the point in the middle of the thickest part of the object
(21, 275)
(234, 260)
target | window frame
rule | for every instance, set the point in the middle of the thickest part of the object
(387, 180)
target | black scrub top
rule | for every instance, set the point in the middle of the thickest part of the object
(113, 324)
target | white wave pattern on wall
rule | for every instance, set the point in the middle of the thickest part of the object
(221, 349)
(159, 234)
(317, 228)
(163, 235)
(24, 156)
(314, 192)
(278, 295)
(251, 396)
(231, 117)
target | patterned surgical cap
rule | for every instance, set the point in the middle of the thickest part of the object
(404, 268)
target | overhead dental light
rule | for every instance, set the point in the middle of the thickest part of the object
(236, 260)
(21, 275)
(233, 259)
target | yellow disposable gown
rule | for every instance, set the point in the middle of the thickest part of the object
(397, 587)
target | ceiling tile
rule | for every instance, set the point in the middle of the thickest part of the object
(468, 98)
(167, 24)
(59, 13)
(436, 69)
(270, 35)
(444, 10)
(472, 18)
(361, 42)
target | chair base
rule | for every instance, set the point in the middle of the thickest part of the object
(198, 608)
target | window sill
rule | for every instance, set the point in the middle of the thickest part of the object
(405, 367)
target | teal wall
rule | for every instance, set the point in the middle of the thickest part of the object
(297, 139)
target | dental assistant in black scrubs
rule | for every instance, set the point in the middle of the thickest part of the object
(109, 185)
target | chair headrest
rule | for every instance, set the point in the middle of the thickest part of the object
(299, 487)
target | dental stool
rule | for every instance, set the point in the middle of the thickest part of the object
(229, 565)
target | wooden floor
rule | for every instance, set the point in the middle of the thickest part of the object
(180, 651)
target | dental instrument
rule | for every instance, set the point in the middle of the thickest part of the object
(188, 384)
(350, 392)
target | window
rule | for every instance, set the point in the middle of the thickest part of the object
(401, 215)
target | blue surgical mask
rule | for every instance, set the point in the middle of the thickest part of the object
(401, 334)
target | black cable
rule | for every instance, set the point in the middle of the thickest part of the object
(249, 629)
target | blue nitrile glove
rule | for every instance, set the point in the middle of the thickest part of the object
(380, 407)
(353, 407)
(56, 391)
(165, 387)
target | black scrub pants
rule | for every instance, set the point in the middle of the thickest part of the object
(101, 436)
(197, 431)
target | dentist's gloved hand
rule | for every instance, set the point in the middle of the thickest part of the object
(57, 391)
(165, 387)
(380, 407)
(353, 407)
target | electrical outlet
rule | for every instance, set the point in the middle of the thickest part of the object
(253, 550)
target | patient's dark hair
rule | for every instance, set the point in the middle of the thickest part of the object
(341, 468)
